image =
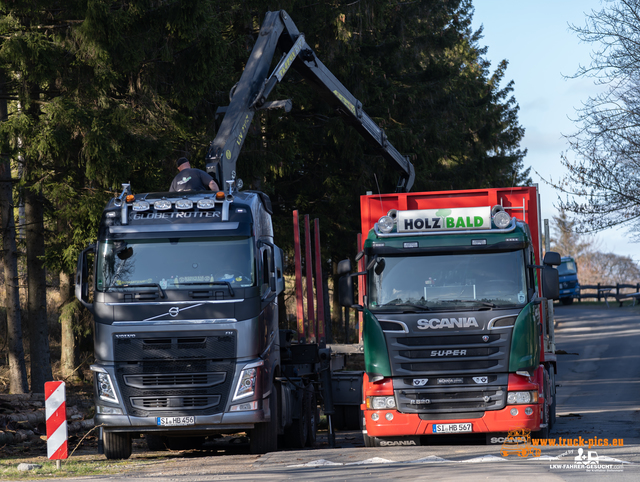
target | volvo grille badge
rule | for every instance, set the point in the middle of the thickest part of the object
(174, 311)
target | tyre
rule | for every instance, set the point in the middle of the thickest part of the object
(155, 443)
(296, 434)
(552, 408)
(117, 445)
(369, 441)
(544, 419)
(264, 436)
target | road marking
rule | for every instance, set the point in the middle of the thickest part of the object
(316, 463)
(484, 458)
(374, 460)
(431, 459)
(428, 460)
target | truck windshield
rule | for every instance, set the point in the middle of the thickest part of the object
(450, 282)
(567, 267)
(174, 263)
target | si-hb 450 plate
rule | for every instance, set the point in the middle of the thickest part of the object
(176, 421)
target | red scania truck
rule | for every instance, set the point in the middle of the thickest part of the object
(457, 314)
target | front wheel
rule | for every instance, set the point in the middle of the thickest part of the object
(117, 445)
(264, 436)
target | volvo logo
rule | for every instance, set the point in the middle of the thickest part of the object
(174, 310)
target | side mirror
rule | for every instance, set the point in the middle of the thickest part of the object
(551, 258)
(344, 267)
(345, 291)
(550, 282)
(82, 277)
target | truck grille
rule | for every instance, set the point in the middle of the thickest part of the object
(164, 374)
(448, 354)
(185, 380)
(184, 403)
(458, 399)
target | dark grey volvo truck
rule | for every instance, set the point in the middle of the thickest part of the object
(183, 288)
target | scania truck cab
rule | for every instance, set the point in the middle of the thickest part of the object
(183, 291)
(569, 284)
(456, 324)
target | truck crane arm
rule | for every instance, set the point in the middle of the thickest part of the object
(255, 85)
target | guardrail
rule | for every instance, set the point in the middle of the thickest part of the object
(618, 292)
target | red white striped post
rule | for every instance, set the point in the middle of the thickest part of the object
(56, 416)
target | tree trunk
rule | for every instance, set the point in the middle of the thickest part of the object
(68, 318)
(17, 368)
(37, 291)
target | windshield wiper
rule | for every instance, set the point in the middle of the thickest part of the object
(144, 285)
(484, 303)
(220, 283)
(399, 302)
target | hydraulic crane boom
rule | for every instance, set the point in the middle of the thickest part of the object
(252, 90)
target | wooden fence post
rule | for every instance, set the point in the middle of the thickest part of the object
(598, 292)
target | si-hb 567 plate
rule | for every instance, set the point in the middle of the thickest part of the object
(176, 421)
(452, 427)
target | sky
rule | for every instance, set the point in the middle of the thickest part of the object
(534, 37)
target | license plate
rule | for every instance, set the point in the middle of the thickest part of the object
(452, 427)
(176, 421)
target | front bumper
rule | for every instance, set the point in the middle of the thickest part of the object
(404, 424)
(218, 423)
(415, 424)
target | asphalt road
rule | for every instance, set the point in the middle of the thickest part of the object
(598, 399)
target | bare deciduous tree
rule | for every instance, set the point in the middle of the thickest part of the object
(603, 180)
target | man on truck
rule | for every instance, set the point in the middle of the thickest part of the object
(190, 179)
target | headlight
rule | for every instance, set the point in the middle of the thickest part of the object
(247, 382)
(501, 219)
(206, 204)
(244, 407)
(105, 388)
(162, 205)
(520, 398)
(381, 403)
(385, 224)
(108, 410)
(184, 204)
(140, 206)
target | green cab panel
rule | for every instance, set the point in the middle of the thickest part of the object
(376, 355)
(525, 340)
